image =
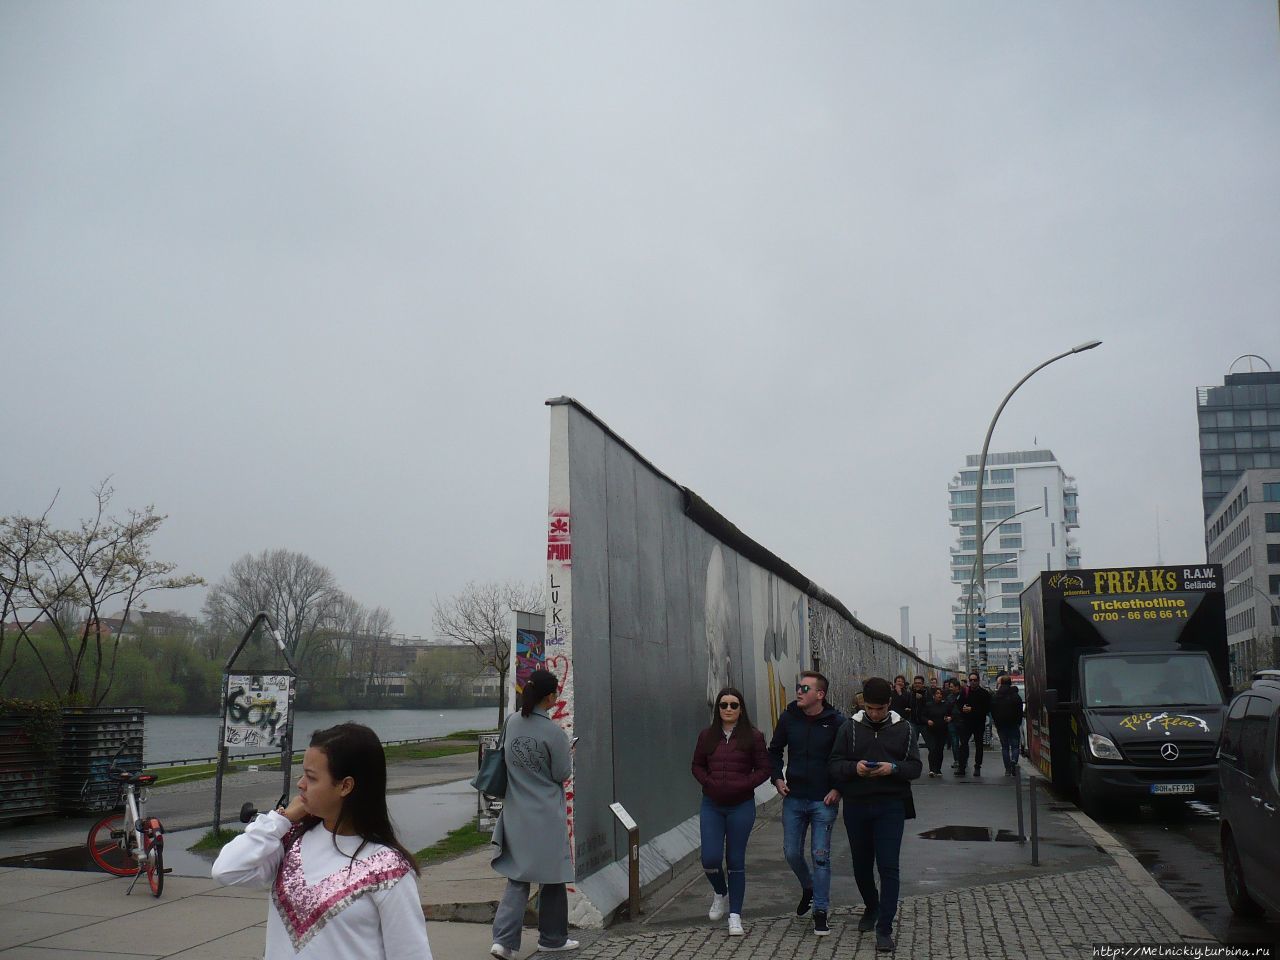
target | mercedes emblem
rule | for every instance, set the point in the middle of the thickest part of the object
(1169, 751)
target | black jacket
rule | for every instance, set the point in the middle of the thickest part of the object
(918, 700)
(894, 742)
(807, 742)
(901, 703)
(1006, 706)
(938, 713)
(980, 699)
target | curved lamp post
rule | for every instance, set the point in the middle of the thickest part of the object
(982, 461)
(973, 573)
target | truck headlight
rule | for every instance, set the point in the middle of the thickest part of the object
(1102, 748)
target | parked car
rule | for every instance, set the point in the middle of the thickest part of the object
(1249, 797)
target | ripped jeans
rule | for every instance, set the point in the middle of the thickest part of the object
(797, 816)
(725, 831)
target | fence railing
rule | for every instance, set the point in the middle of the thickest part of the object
(273, 754)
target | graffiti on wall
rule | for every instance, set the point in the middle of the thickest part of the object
(718, 626)
(256, 709)
(558, 643)
(530, 655)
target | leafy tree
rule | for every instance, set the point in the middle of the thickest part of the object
(482, 616)
(64, 580)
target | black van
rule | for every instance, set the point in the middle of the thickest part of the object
(1249, 797)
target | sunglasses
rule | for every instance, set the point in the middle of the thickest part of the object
(727, 705)
(803, 688)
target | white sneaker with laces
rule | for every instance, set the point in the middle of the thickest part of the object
(502, 953)
(719, 906)
(735, 925)
(568, 945)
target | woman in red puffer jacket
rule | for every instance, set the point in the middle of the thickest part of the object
(730, 761)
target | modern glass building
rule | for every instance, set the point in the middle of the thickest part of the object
(1239, 430)
(1016, 549)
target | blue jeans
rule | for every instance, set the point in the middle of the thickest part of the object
(875, 837)
(1010, 743)
(725, 831)
(797, 816)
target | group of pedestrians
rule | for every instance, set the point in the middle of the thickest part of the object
(955, 717)
(816, 758)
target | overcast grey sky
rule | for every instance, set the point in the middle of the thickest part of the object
(302, 275)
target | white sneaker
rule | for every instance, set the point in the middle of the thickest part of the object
(735, 925)
(719, 906)
(502, 953)
(568, 945)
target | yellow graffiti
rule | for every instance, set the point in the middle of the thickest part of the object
(1164, 721)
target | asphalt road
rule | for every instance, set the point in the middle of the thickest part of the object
(1178, 845)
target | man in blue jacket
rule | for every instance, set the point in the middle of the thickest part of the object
(805, 732)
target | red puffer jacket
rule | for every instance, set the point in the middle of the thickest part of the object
(728, 773)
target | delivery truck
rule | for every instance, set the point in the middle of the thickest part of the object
(1126, 678)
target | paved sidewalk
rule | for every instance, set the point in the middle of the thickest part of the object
(962, 898)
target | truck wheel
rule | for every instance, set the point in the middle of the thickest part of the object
(1242, 904)
(1090, 802)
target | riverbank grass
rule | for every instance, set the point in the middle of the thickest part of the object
(455, 844)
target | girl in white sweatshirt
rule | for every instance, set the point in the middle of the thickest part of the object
(341, 884)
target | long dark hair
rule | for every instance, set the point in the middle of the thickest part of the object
(540, 684)
(742, 733)
(355, 751)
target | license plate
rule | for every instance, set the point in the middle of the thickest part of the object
(1173, 788)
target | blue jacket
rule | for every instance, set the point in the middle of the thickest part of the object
(807, 742)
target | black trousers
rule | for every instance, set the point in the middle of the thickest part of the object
(962, 754)
(936, 738)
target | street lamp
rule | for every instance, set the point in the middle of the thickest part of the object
(982, 460)
(973, 572)
(968, 615)
(1275, 608)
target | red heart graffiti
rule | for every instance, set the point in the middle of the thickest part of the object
(559, 665)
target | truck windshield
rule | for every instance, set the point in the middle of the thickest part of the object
(1149, 680)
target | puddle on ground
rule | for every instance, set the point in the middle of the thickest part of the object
(957, 833)
(422, 816)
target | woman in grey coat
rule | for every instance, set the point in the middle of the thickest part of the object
(532, 834)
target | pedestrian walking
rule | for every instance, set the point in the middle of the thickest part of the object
(953, 720)
(805, 733)
(918, 700)
(872, 764)
(341, 884)
(900, 702)
(1006, 714)
(532, 837)
(935, 730)
(975, 703)
(730, 761)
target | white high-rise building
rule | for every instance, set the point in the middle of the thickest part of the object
(1019, 545)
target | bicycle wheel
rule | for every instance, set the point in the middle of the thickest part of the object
(154, 840)
(107, 842)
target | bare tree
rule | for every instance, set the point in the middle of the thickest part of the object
(299, 594)
(481, 616)
(58, 576)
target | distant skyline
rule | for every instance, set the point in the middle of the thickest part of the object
(303, 276)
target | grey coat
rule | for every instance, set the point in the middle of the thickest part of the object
(532, 835)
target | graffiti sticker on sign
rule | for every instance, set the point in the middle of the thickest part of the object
(257, 709)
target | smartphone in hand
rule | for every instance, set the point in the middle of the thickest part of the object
(872, 763)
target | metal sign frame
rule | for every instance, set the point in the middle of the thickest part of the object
(286, 745)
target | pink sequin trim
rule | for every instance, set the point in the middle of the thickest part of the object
(306, 908)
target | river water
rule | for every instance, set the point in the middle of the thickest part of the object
(182, 738)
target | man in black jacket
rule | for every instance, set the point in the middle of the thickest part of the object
(872, 764)
(1006, 715)
(805, 731)
(974, 704)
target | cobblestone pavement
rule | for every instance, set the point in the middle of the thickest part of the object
(1057, 917)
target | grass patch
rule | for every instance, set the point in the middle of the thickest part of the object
(455, 844)
(425, 751)
(467, 734)
(213, 841)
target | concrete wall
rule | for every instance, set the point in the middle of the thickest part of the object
(649, 614)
